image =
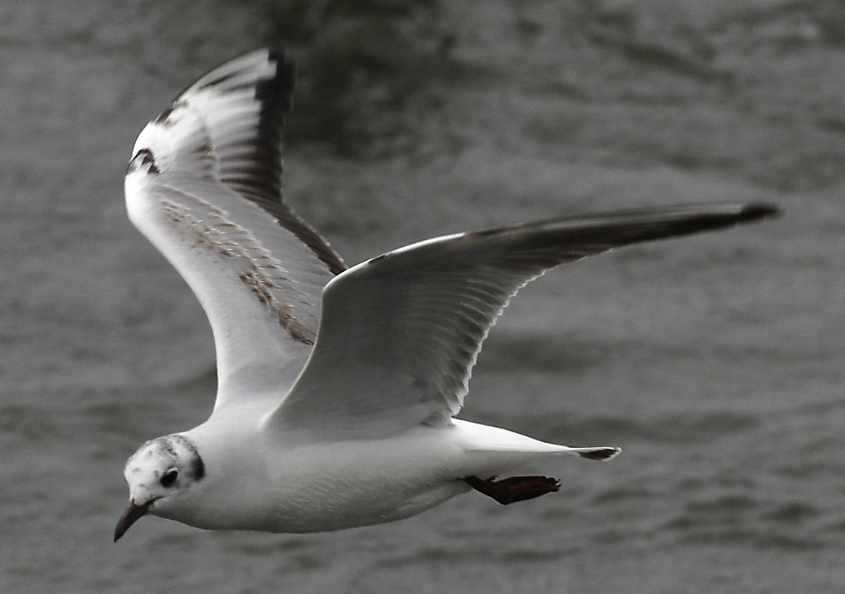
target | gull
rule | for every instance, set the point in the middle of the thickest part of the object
(337, 387)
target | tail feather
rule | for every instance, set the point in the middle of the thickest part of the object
(600, 453)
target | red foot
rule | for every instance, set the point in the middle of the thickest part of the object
(515, 488)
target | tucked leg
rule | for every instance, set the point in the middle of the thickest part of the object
(515, 488)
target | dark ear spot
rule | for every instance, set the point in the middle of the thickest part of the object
(197, 467)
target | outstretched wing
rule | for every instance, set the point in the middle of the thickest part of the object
(204, 186)
(400, 333)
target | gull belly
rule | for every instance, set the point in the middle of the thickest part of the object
(274, 485)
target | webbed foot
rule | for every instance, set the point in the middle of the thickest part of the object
(515, 488)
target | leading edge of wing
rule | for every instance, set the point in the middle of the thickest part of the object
(229, 126)
(627, 227)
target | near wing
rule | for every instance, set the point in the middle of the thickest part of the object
(401, 332)
(204, 186)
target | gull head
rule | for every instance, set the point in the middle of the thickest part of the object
(158, 474)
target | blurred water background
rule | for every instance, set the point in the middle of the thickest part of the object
(715, 361)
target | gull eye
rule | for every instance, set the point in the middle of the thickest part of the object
(169, 477)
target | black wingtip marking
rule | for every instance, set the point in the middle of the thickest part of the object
(758, 210)
(485, 232)
(278, 89)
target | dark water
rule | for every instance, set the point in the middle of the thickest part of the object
(714, 361)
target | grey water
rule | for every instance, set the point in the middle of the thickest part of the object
(714, 361)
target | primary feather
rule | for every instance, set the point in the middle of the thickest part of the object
(204, 185)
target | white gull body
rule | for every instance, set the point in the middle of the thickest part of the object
(337, 388)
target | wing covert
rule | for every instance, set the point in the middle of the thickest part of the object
(204, 186)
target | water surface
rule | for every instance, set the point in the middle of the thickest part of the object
(714, 361)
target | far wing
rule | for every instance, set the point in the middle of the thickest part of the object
(400, 333)
(204, 186)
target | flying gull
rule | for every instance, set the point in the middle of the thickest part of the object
(337, 387)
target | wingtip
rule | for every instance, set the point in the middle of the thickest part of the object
(281, 56)
(278, 88)
(759, 210)
(277, 52)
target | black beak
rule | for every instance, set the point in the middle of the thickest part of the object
(129, 517)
